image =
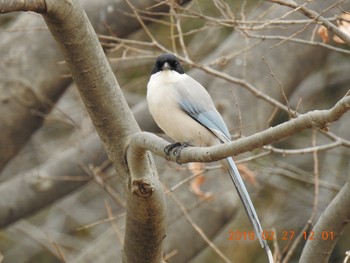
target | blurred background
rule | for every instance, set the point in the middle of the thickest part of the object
(61, 201)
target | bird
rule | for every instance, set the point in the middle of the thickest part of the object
(184, 110)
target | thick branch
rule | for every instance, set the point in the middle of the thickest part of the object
(31, 79)
(328, 228)
(145, 221)
(38, 6)
(317, 119)
(114, 123)
(96, 83)
(59, 176)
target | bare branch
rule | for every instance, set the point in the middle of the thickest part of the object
(96, 173)
(38, 6)
(331, 222)
(198, 229)
(280, 86)
(297, 40)
(312, 217)
(114, 122)
(314, 119)
(317, 17)
(26, 83)
(320, 148)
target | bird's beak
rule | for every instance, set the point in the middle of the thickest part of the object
(166, 66)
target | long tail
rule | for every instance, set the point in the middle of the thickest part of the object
(248, 205)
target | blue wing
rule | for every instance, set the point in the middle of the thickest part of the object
(196, 102)
(209, 118)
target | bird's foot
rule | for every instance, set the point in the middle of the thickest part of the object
(175, 148)
(169, 148)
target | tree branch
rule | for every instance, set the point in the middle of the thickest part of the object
(145, 221)
(55, 178)
(29, 64)
(315, 16)
(38, 6)
(95, 80)
(328, 228)
(314, 119)
(114, 122)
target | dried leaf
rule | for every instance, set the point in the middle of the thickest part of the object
(196, 183)
(323, 33)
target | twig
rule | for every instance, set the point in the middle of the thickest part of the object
(316, 176)
(312, 217)
(181, 36)
(143, 25)
(172, 26)
(197, 228)
(113, 223)
(189, 178)
(280, 86)
(298, 40)
(95, 171)
(102, 221)
(317, 17)
(57, 248)
(239, 116)
(307, 150)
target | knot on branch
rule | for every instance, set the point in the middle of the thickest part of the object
(322, 126)
(142, 188)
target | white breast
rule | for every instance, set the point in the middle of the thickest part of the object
(162, 98)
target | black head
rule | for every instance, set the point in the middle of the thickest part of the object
(167, 62)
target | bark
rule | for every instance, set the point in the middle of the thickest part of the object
(115, 125)
(329, 228)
